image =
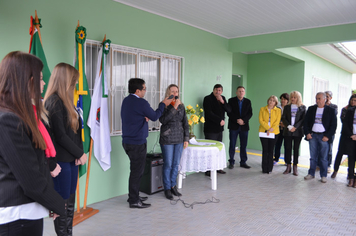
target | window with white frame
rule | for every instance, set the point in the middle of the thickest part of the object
(344, 95)
(319, 85)
(157, 69)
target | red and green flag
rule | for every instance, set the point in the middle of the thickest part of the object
(36, 48)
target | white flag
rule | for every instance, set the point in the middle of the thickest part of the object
(98, 121)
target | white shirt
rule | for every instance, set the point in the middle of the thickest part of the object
(269, 117)
(294, 109)
(28, 211)
(318, 126)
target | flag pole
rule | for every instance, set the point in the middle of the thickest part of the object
(37, 25)
(78, 195)
(89, 160)
(88, 173)
(85, 212)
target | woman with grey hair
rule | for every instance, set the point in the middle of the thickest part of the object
(269, 119)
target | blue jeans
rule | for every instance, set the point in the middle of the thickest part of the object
(65, 183)
(171, 158)
(318, 149)
(330, 154)
(243, 144)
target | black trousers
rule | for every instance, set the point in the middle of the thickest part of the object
(214, 136)
(351, 160)
(288, 146)
(137, 155)
(267, 154)
(340, 152)
(277, 148)
(22, 228)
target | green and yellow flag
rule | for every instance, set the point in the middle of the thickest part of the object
(36, 48)
(82, 98)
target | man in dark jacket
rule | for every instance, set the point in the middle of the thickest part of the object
(215, 106)
(135, 112)
(241, 113)
(319, 127)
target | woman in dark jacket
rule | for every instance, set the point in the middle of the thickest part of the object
(343, 139)
(25, 183)
(174, 135)
(66, 126)
(284, 99)
(293, 119)
(349, 132)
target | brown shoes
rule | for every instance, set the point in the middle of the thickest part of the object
(333, 176)
(288, 170)
(351, 183)
(295, 170)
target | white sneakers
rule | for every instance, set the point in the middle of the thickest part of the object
(308, 177)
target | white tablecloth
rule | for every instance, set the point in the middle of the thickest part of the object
(201, 159)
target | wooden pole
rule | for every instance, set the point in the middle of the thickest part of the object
(37, 26)
(78, 196)
(88, 174)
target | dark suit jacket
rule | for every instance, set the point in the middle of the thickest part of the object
(68, 144)
(329, 121)
(347, 130)
(214, 113)
(24, 173)
(246, 114)
(298, 123)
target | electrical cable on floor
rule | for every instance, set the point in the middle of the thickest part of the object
(187, 205)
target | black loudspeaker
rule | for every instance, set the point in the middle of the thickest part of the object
(151, 181)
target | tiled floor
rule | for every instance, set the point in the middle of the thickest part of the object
(249, 203)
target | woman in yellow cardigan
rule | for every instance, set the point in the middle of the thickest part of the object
(269, 119)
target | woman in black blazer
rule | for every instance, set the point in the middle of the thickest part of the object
(293, 119)
(26, 191)
(66, 126)
(349, 132)
(342, 149)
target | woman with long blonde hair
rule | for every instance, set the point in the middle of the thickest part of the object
(174, 137)
(293, 119)
(66, 125)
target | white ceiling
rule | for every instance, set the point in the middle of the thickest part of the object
(240, 18)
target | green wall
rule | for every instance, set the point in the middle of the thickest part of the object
(269, 74)
(315, 66)
(239, 67)
(206, 56)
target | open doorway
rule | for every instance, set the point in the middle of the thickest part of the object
(235, 82)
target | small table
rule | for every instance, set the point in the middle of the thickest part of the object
(197, 158)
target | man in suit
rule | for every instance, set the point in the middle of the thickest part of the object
(135, 113)
(215, 106)
(319, 127)
(241, 113)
